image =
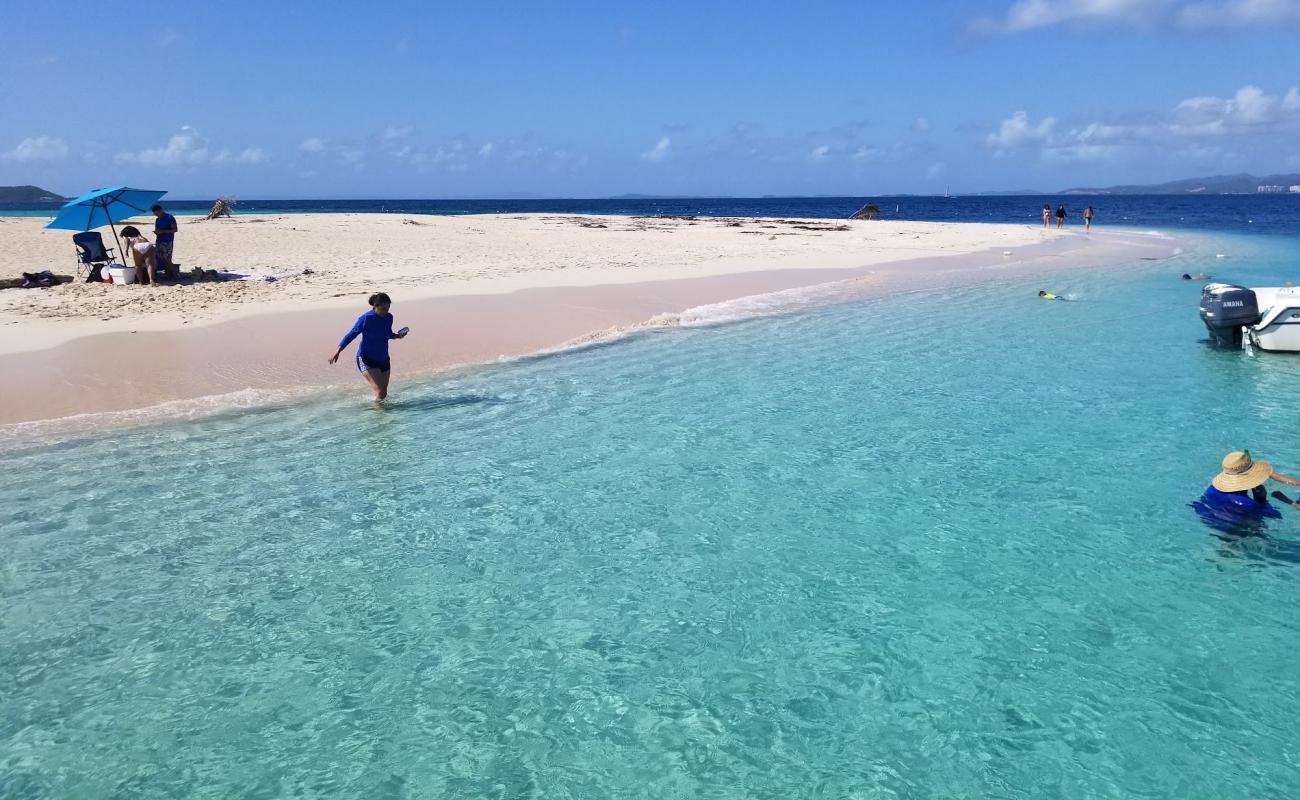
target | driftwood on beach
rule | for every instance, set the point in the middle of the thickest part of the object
(222, 207)
(869, 211)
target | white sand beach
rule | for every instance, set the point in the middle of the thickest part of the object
(473, 288)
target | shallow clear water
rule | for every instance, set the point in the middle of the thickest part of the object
(932, 545)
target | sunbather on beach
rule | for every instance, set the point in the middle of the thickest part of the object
(375, 327)
(142, 252)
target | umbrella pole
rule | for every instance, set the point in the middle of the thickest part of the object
(119, 244)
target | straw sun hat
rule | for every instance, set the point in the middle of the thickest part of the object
(1240, 472)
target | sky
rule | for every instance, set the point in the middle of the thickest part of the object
(264, 100)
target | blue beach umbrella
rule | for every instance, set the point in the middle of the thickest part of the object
(104, 207)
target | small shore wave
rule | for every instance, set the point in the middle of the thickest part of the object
(52, 431)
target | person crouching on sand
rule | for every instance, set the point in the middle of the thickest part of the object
(375, 327)
(142, 252)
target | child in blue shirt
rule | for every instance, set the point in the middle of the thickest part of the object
(375, 327)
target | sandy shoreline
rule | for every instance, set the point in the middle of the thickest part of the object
(473, 289)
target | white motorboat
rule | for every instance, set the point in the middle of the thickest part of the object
(1278, 328)
(1264, 317)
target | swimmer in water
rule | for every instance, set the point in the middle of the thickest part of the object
(1047, 295)
(1201, 277)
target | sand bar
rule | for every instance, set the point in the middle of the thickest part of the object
(473, 289)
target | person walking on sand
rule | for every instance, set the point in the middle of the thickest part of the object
(164, 231)
(1060, 216)
(1047, 214)
(1087, 219)
(375, 327)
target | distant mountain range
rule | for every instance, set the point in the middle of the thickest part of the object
(1215, 184)
(27, 194)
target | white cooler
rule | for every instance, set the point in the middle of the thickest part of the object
(121, 273)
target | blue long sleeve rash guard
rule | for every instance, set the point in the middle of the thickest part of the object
(375, 331)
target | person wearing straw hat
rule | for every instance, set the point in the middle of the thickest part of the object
(1235, 502)
(1244, 477)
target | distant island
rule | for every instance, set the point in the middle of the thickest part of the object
(1216, 184)
(28, 194)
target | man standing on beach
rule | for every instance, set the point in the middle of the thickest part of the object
(1087, 218)
(164, 229)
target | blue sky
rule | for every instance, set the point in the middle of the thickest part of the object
(397, 99)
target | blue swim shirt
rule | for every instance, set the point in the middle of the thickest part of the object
(165, 221)
(375, 331)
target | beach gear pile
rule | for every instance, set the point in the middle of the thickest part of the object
(39, 280)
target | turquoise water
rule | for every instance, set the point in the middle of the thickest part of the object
(933, 545)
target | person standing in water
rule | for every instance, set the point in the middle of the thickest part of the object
(1047, 214)
(1087, 218)
(1060, 216)
(1241, 474)
(375, 327)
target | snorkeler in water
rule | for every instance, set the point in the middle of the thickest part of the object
(1201, 277)
(1046, 295)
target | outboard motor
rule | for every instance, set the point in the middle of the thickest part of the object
(1225, 308)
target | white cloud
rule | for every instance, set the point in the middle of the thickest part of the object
(820, 152)
(39, 148)
(660, 151)
(188, 148)
(391, 134)
(347, 153)
(185, 148)
(249, 156)
(920, 124)
(1239, 14)
(47, 60)
(168, 38)
(1025, 15)
(350, 153)
(1191, 130)
(485, 151)
(1017, 131)
(936, 169)
(1250, 106)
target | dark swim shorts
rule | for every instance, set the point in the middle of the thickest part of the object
(364, 364)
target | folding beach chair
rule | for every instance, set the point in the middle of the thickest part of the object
(91, 253)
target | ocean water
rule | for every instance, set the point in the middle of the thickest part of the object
(1267, 214)
(930, 545)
